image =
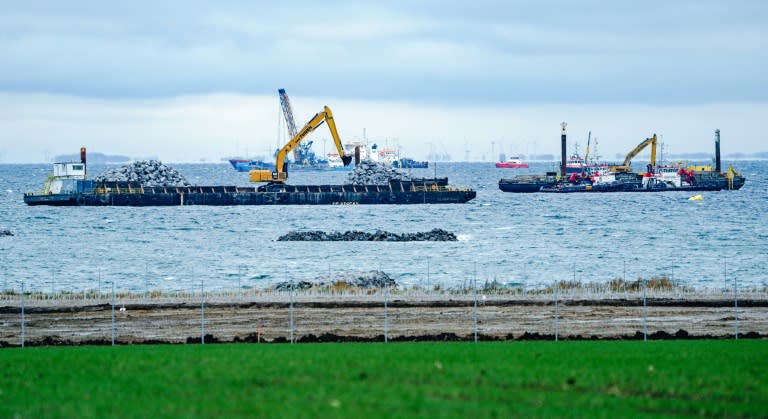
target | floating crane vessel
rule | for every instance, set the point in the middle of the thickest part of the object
(621, 178)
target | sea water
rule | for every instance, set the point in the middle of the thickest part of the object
(528, 240)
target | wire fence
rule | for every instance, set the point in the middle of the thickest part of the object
(476, 312)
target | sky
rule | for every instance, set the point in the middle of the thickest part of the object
(191, 81)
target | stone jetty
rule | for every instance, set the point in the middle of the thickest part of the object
(146, 172)
(436, 234)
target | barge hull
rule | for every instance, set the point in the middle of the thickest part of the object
(138, 196)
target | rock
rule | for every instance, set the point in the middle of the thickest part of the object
(436, 234)
(146, 172)
(360, 279)
(372, 173)
(286, 286)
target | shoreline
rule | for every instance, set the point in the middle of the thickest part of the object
(323, 317)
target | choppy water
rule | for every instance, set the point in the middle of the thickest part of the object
(528, 239)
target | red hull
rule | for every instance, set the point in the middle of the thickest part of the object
(506, 165)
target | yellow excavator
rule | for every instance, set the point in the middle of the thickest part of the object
(280, 174)
(625, 167)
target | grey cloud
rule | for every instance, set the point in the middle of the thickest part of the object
(555, 51)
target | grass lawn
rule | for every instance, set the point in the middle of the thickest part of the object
(489, 379)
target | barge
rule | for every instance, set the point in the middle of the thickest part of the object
(69, 187)
(424, 191)
(604, 178)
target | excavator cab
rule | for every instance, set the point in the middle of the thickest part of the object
(262, 175)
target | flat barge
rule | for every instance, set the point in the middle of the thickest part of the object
(89, 193)
(598, 178)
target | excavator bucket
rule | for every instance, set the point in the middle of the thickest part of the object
(346, 160)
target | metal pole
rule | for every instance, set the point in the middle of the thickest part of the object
(645, 309)
(625, 278)
(240, 270)
(99, 282)
(386, 316)
(735, 309)
(290, 293)
(427, 274)
(146, 282)
(5, 272)
(474, 308)
(113, 313)
(557, 314)
(202, 312)
(22, 313)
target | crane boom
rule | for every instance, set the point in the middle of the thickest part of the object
(634, 152)
(280, 174)
(285, 103)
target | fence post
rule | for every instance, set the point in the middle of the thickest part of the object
(624, 282)
(557, 314)
(735, 308)
(290, 296)
(113, 313)
(386, 317)
(202, 312)
(474, 308)
(645, 309)
(22, 313)
(240, 270)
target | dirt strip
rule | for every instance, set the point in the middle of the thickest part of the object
(363, 319)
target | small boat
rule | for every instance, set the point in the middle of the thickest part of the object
(408, 163)
(512, 163)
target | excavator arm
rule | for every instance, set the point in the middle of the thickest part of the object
(634, 152)
(280, 174)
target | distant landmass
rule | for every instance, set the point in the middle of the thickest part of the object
(93, 158)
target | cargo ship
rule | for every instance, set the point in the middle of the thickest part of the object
(69, 187)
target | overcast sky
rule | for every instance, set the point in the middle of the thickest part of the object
(187, 80)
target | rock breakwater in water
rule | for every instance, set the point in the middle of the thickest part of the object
(436, 234)
(146, 172)
(360, 279)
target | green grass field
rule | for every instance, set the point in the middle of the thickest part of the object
(499, 379)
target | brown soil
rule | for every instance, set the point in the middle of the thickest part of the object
(362, 319)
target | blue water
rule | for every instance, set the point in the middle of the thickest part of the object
(521, 239)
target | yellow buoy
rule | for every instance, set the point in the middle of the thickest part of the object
(696, 198)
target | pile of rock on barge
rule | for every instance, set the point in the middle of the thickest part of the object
(68, 187)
